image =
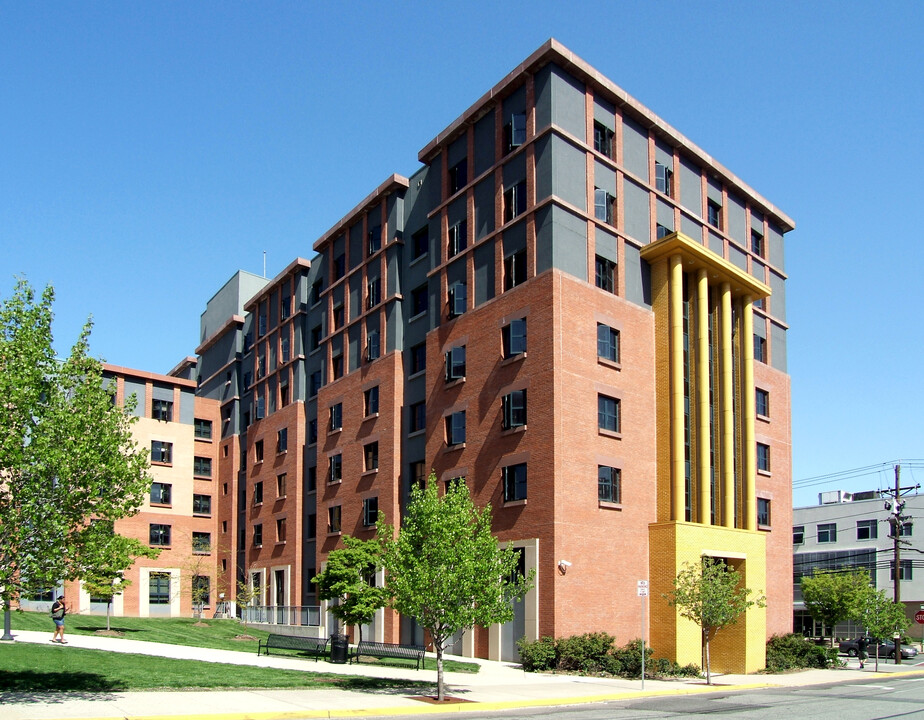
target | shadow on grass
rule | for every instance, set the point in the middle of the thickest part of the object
(44, 686)
(96, 628)
(382, 686)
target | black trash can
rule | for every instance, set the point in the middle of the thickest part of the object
(339, 649)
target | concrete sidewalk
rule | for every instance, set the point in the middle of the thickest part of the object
(496, 686)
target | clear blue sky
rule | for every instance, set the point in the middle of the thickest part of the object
(150, 150)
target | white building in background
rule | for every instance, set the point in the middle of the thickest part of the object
(848, 531)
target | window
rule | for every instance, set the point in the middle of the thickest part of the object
(336, 366)
(514, 409)
(373, 292)
(418, 358)
(162, 410)
(458, 176)
(605, 274)
(283, 394)
(311, 526)
(827, 532)
(763, 512)
(760, 349)
(202, 467)
(370, 511)
(258, 451)
(371, 401)
(281, 485)
(280, 530)
(202, 504)
(714, 214)
(904, 570)
(607, 342)
(161, 452)
(455, 428)
(338, 317)
(160, 493)
(159, 535)
(261, 322)
(314, 341)
(514, 201)
(258, 535)
(514, 270)
(203, 429)
(906, 529)
(609, 488)
(201, 589)
(418, 475)
(458, 237)
(260, 407)
(336, 417)
(867, 530)
(458, 299)
(285, 307)
(662, 231)
(258, 492)
(663, 178)
(603, 139)
(455, 363)
(314, 384)
(763, 457)
(513, 337)
(312, 478)
(372, 345)
(159, 589)
(418, 419)
(514, 477)
(420, 243)
(201, 543)
(515, 131)
(419, 300)
(339, 269)
(317, 287)
(608, 413)
(374, 238)
(604, 203)
(371, 456)
(762, 402)
(798, 535)
(248, 341)
(757, 243)
(282, 440)
(284, 354)
(312, 431)
(333, 519)
(335, 472)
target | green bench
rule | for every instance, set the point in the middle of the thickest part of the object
(311, 645)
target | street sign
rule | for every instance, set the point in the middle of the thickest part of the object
(643, 588)
(919, 617)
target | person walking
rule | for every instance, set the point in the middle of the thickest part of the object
(862, 650)
(58, 611)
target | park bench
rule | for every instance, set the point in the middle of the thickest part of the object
(311, 645)
(389, 650)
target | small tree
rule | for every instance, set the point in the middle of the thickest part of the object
(349, 578)
(710, 594)
(832, 597)
(445, 568)
(882, 619)
(108, 556)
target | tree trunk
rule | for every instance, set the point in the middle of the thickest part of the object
(440, 690)
(108, 608)
(708, 668)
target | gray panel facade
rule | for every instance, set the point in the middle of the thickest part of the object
(637, 211)
(691, 188)
(568, 103)
(778, 347)
(635, 148)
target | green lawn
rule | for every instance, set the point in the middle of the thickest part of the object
(26, 667)
(217, 634)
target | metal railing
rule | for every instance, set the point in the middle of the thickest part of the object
(282, 614)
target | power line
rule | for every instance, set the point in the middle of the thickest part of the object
(853, 473)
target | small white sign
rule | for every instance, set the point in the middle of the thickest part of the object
(643, 583)
(642, 591)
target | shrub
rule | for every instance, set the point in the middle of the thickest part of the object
(584, 653)
(793, 651)
(537, 655)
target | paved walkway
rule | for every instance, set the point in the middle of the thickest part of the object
(497, 686)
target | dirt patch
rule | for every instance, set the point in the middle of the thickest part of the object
(431, 700)
(109, 633)
(200, 624)
(248, 638)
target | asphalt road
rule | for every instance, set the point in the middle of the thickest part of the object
(880, 698)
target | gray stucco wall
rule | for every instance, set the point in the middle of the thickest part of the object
(638, 276)
(637, 211)
(484, 208)
(737, 227)
(484, 272)
(778, 298)
(605, 244)
(136, 388)
(561, 240)
(568, 103)
(775, 247)
(569, 173)
(484, 144)
(778, 347)
(635, 148)
(691, 191)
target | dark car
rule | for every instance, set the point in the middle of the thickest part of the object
(886, 649)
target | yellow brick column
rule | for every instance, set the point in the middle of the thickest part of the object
(703, 445)
(749, 419)
(728, 411)
(678, 490)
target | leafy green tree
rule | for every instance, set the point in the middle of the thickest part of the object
(446, 569)
(67, 454)
(349, 578)
(832, 597)
(710, 594)
(106, 558)
(882, 618)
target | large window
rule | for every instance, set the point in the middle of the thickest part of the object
(757, 243)
(371, 401)
(455, 363)
(607, 413)
(763, 457)
(314, 383)
(374, 243)
(201, 589)
(867, 530)
(714, 214)
(202, 467)
(763, 512)
(201, 543)
(514, 200)
(604, 206)
(514, 270)
(513, 336)
(905, 571)
(603, 139)
(202, 504)
(827, 532)
(333, 519)
(161, 452)
(281, 485)
(418, 417)
(514, 409)
(203, 429)
(514, 482)
(457, 299)
(607, 342)
(336, 417)
(258, 492)
(373, 346)
(419, 300)
(161, 493)
(515, 131)
(335, 464)
(280, 530)
(162, 410)
(159, 589)
(760, 349)
(258, 535)
(371, 456)
(420, 243)
(418, 358)
(458, 176)
(455, 428)
(370, 511)
(373, 292)
(282, 440)
(663, 178)
(159, 535)
(762, 402)
(609, 488)
(798, 534)
(458, 238)
(605, 274)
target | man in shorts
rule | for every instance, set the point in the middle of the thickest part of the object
(58, 611)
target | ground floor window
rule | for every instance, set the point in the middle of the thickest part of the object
(159, 589)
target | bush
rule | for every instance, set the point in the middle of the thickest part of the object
(584, 653)
(793, 651)
(537, 655)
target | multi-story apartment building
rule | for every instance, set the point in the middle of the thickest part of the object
(853, 531)
(569, 305)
